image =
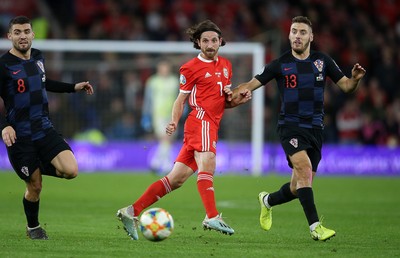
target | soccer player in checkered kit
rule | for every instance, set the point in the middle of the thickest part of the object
(34, 147)
(301, 74)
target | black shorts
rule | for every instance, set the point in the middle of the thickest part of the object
(26, 155)
(295, 139)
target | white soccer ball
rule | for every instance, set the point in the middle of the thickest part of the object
(156, 224)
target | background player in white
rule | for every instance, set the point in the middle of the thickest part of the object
(160, 93)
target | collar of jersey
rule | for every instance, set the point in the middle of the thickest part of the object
(205, 60)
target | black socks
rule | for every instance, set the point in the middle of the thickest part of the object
(31, 212)
(306, 197)
(283, 195)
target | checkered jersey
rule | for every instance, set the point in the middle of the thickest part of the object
(301, 86)
(23, 90)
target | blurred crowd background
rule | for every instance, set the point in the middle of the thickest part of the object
(363, 31)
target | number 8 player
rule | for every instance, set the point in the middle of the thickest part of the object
(34, 147)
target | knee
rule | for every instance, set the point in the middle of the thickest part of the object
(37, 189)
(70, 172)
(303, 169)
(303, 179)
(33, 190)
(176, 183)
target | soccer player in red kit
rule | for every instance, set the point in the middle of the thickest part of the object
(205, 82)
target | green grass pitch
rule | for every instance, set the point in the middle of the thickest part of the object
(79, 217)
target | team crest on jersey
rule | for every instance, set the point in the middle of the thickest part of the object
(214, 144)
(226, 74)
(294, 142)
(40, 64)
(182, 79)
(25, 171)
(319, 64)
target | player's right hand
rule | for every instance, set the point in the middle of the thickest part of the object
(245, 95)
(9, 136)
(171, 128)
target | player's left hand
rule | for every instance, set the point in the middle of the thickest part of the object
(228, 92)
(84, 86)
(357, 72)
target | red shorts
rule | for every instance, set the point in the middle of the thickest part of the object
(200, 136)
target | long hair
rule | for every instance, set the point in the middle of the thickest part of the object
(196, 31)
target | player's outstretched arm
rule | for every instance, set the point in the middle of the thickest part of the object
(177, 111)
(349, 85)
(237, 98)
(243, 93)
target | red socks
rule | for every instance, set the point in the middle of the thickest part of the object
(153, 193)
(206, 191)
(162, 187)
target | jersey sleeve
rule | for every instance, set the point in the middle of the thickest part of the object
(3, 120)
(186, 80)
(2, 77)
(229, 64)
(59, 87)
(270, 71)
(333, 70)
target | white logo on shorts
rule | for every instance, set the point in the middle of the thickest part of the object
(25, 170)
(294, 142)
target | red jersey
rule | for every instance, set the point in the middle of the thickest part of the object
(205, 80)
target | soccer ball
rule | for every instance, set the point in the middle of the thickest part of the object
(156, 224)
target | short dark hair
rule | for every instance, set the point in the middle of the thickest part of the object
(302, 19)
(196, 31)
(19, 20)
